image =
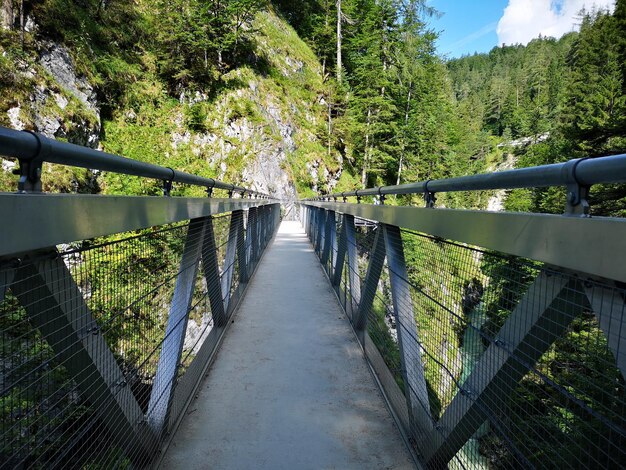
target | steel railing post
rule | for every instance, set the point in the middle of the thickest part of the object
(256, 241)
(321, 222)
(329, 220)
(416, 391)
(172, 348)
(334, 246)
(210, 267)
(242, 252)
(236, 219)
(353, 263)
(55, 306)
(313, 236)
(370, 284)
(263, 228)
(541, 316)
(310, 224)
(307, 211)
(251, 237)
(340, 255)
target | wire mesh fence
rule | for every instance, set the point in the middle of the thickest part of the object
(522, 364)
(102, 342)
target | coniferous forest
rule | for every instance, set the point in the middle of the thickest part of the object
(403, 114)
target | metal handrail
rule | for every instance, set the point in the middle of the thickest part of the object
(32, 149)
(582, 172)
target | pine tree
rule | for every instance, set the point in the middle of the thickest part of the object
(371, 108)
(596, 103)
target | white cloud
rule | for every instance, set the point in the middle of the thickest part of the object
(524, 20)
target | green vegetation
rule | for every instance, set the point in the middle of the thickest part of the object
(391, 114)
(570, 93)
(201, 86)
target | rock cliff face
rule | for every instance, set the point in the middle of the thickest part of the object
(56, 102)
(260, 131)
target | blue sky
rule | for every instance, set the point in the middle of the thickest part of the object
(468, 26)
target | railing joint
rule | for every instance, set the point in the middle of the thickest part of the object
(30, 168)
(209, 189)
(429, 196)
(167, 188)
(577, 204)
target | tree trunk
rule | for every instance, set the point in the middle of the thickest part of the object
(22, 23)
(339, 65)
(330, 123)
(406, 126)
(367, 149)
(326, 25)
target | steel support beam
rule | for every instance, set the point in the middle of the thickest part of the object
(242, 256)
(251, 236)
(312, 212)
(542, 315)
(408, 339)
(172, 348)
(319, 232)
(334, 245)
(236, 219)
(353, 262)
(259, 233)
(55, 306)
(329, 219)
(370, 285)
(609, 307)
(305, 219)
(309, 222)
(210, 268)
(263, 229)
(340, 255)
(262, 226)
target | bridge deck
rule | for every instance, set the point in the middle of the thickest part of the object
(290, 387)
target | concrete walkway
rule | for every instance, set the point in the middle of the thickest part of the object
(290, 388)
